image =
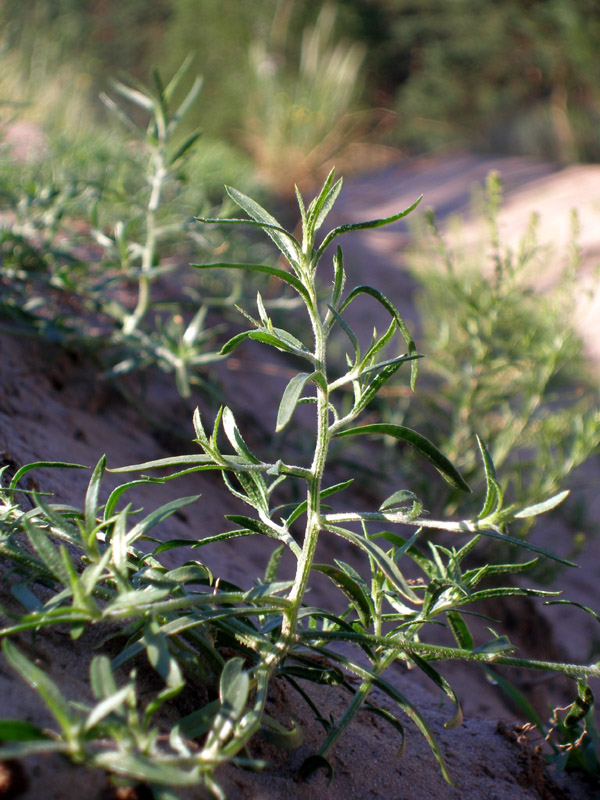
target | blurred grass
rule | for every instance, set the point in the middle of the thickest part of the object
(289, 81)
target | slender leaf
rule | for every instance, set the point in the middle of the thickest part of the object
(284, 241)
(493, 497)
(447, 470)
(383, 561)
(393, 311)
(19, 730)
(442, 684)
(39, 680)
(101, 678)
(326, 200)
(41, 465)
(290, 398)
(235, 437)
(541, 508)
(353, 591)
(281, 274)
(361, 226)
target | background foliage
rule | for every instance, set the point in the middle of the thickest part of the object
(527, 83)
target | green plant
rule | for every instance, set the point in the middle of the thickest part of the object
(503, 361)
(300, 116)
(183, 620)
(93, 288)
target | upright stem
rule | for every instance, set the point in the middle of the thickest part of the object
(148, 254)
(313, 511)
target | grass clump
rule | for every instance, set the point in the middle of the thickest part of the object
(195, 630)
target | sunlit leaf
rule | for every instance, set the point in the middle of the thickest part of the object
(443, 465)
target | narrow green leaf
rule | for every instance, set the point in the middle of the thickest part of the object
(301, 507)
(160, 657)
(91, 497)
(234, 686)
(398, 361)
(290, 398)
(287, 244)
(134, 96)
(198, 722)
(101, 678)
(43, 684)
(447, 470)
(232, 343)
(143, 768)
(541, 508)
(339, 280)
(171, 87)
(157, 516)
(41, 465)
(104, 708)
(577, 605)
(503, 537)
(494, 495)
(26, 597)
(383, 561)
(19, 730)
(351, 589)
(118, 492)
(171, 461)
(273, 564)
(186, 103)
(255, 525)
(137, 598)
(184, 148)
(235, 437)
(409, 708)
(442, 684)
(281, 274)
(349, 333)
(325, 201)
(189, 573)
(517, 698)
(47, 552)
(223, 537)
(361, 226)
(375, 385)
(393, 311)
(282, 340)
(399, 498)
(500, 644)
(460, 630)
(30, 748)
(302, 207)
(172, 544)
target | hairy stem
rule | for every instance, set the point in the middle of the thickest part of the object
(313, 511)
(148, 255)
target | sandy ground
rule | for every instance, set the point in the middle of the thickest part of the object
(52, 407)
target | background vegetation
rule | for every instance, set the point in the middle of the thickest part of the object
(527, 83)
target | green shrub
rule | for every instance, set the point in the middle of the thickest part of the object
(503, 362)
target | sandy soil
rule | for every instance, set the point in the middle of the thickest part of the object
(52, 407)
